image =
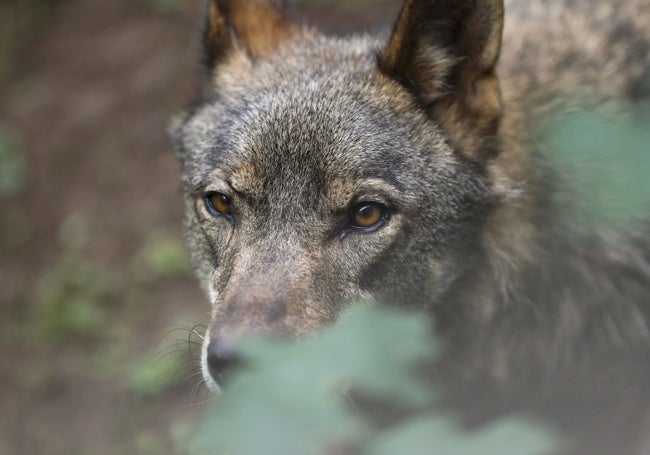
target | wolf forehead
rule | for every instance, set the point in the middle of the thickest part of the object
(322, 111)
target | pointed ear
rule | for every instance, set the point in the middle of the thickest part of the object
(254, 27)
(445, 53)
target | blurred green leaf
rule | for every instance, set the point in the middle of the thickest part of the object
(436, 435)
(69, 299)
(149, 444)
(248, 425)
(606, 160)
(290, 398)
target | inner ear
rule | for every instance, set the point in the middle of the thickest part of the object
(255, 27)
(445, 53)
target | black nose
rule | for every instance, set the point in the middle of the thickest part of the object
(221, 357)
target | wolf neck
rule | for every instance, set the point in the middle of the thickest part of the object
(541, 297)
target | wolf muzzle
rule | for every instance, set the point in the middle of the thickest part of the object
(221, 358)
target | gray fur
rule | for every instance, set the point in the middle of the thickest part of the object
(525, 304)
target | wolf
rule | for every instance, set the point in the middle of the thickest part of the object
(318, 171)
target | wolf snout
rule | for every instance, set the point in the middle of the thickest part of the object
(221, 357)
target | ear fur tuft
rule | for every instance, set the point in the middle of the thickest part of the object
(445, 52)
(254, 27)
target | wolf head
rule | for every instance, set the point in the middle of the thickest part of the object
(318, 171)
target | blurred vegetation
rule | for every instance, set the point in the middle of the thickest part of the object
(176, 363)
(602, 159)
(162, 255)
(81, 299)
(295, 399)
(68, 299)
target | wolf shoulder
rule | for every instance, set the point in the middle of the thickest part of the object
(578, 47)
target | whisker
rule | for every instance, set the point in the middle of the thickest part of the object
(186, 362)
(183, 365)
(162, 357)
(169, 332)
(197, 389)
(347, 395)
(202, 326)
(205, 401)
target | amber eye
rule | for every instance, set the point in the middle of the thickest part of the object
(368, 215)
(218, 204)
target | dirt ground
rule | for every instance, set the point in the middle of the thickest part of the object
(96, 296)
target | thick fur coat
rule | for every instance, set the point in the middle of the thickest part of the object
(318, 171)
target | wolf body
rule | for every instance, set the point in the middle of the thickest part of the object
(319, 170)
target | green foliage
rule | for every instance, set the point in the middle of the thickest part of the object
(13, 166)
(69, 299)
(437, 435)
(605, 158)
(149, 444)
(158, 371)
(162, 255)
(299, 398)
(149, 377)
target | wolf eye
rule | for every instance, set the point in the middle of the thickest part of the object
(368, 216)
(217, 204)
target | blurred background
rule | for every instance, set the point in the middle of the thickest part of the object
(96, 293)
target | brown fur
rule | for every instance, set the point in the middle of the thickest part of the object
(448, 62)
(255, 26)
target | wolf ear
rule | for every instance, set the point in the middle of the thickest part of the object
(254, 27)
(445, 53)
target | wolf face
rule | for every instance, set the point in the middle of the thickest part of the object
(318, 171)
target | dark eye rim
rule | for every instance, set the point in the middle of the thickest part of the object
(212, 210)
(385, 215)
